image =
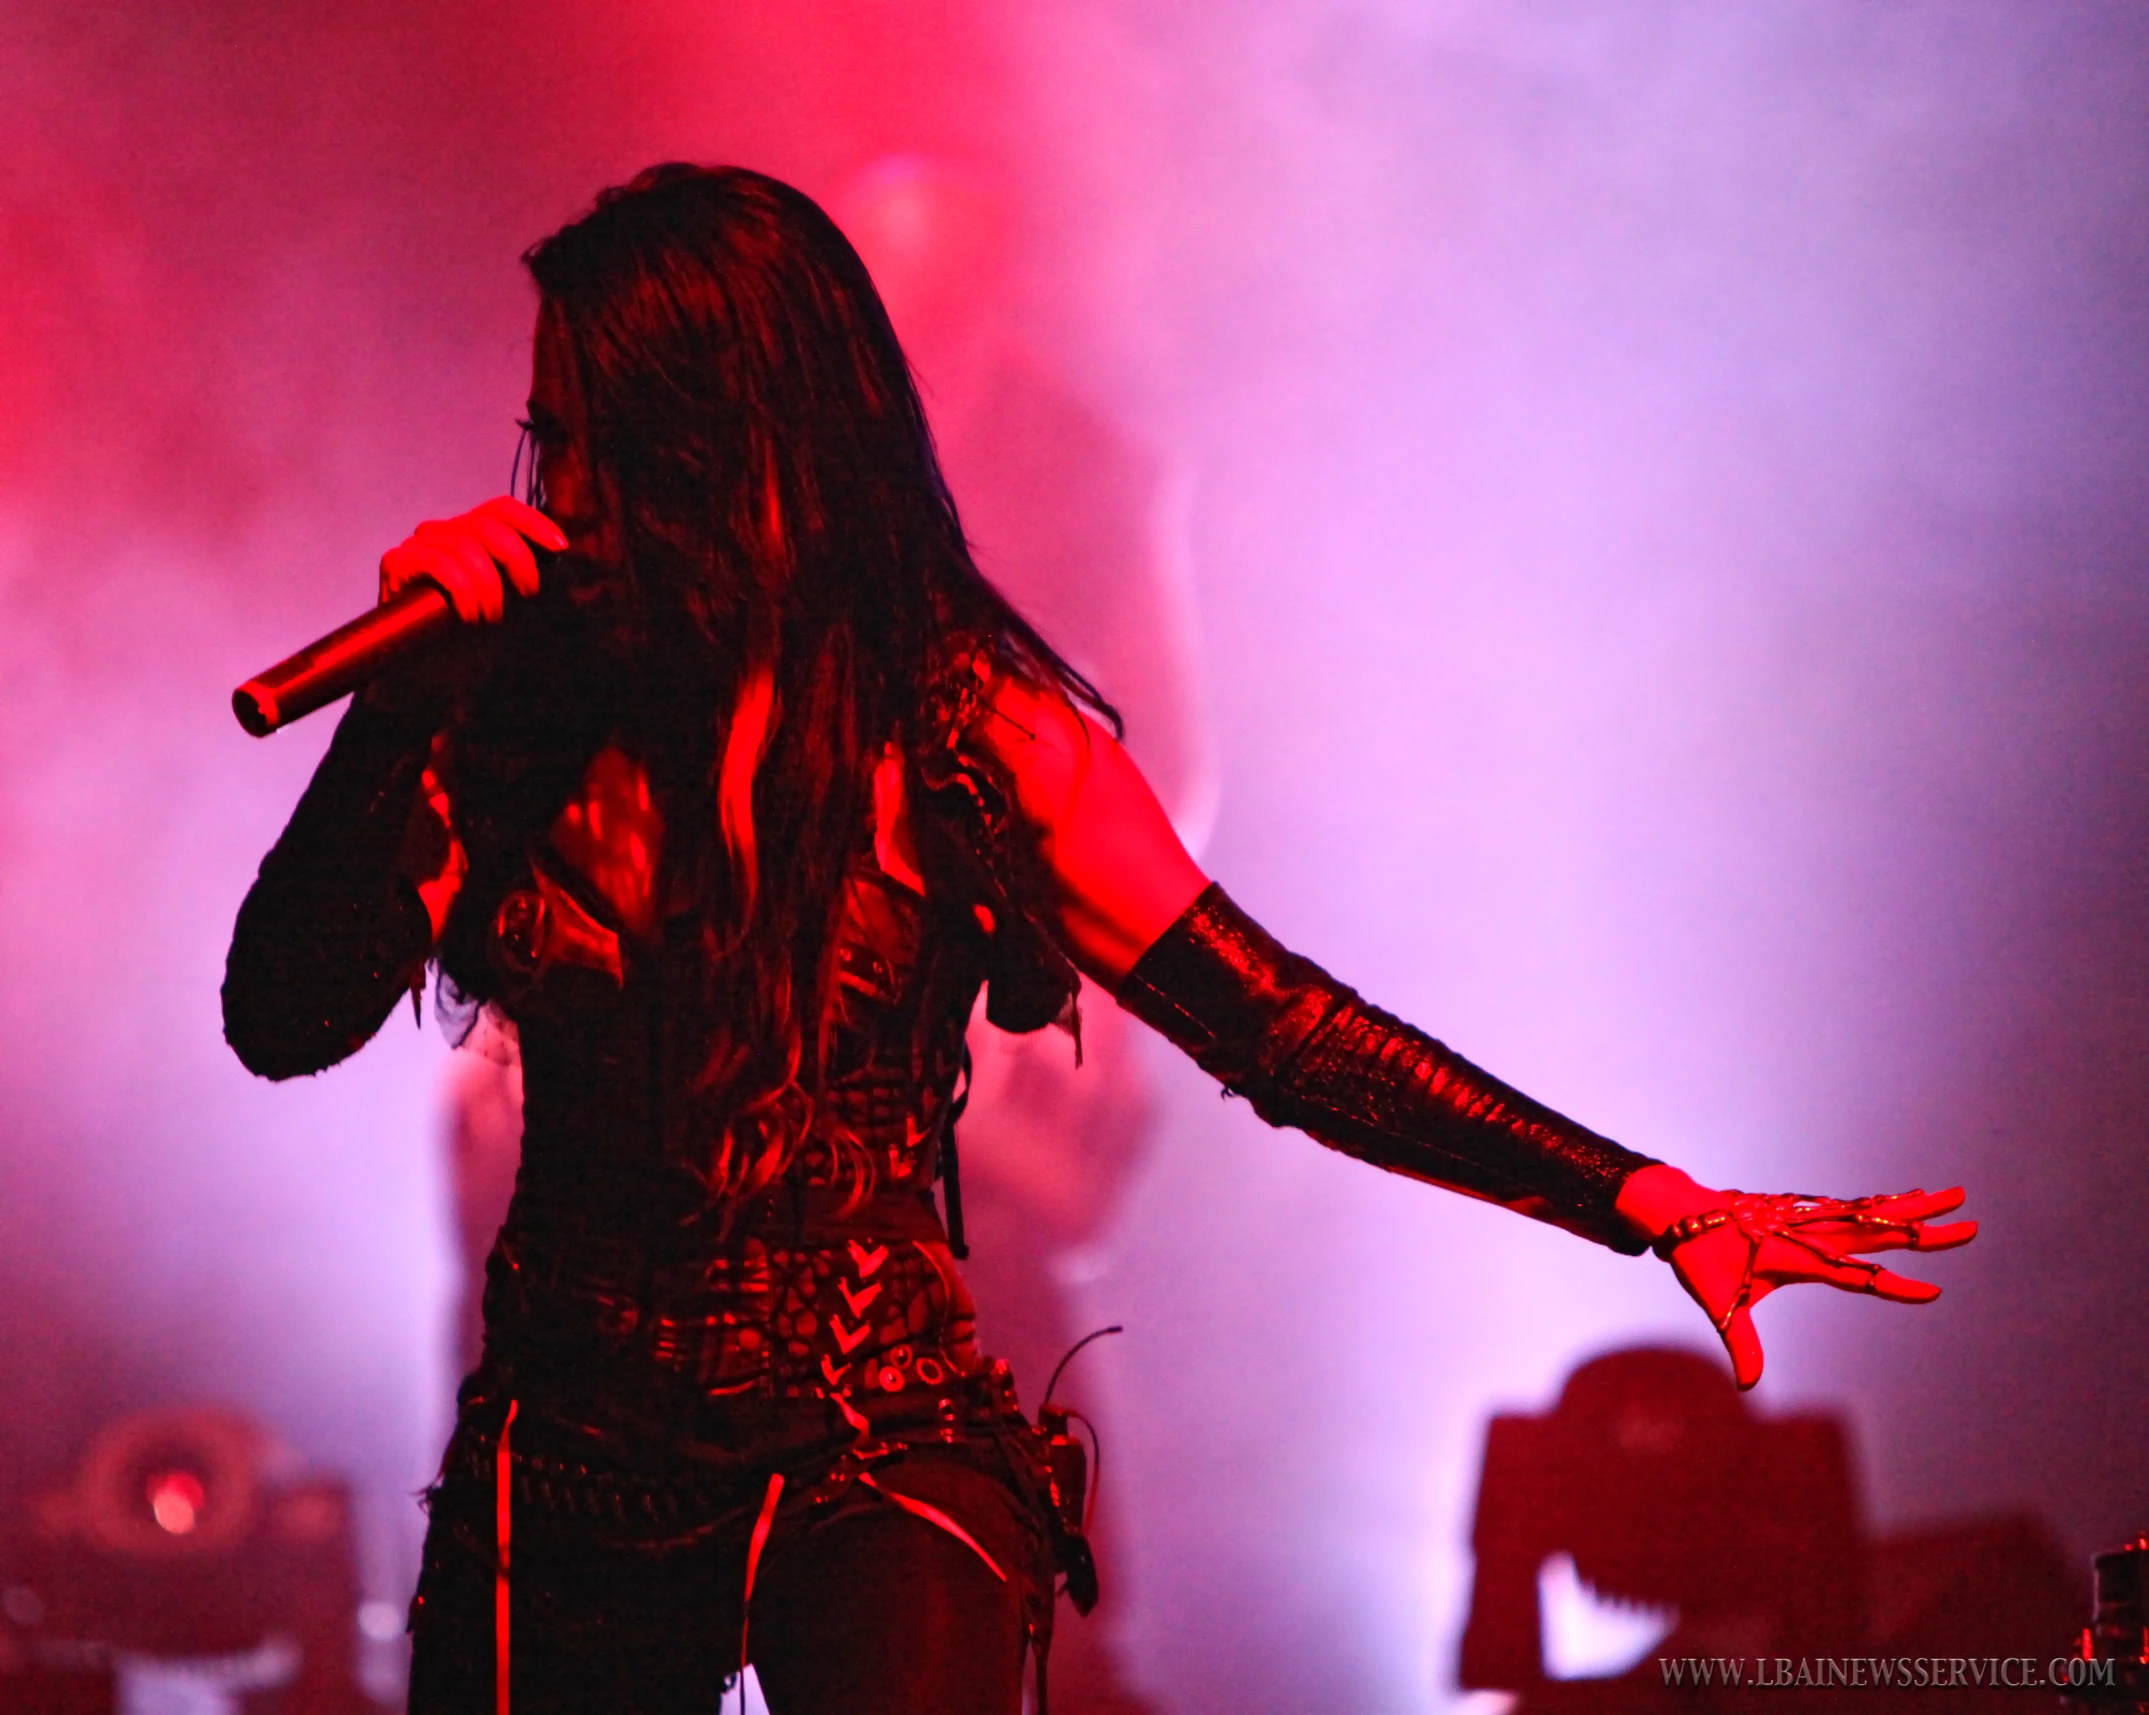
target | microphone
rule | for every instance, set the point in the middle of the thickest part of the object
(349, 656)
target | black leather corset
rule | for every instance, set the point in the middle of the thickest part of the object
(616, 1275)
(608, 1037)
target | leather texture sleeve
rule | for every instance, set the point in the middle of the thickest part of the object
(1306, 1051)
(332, 934)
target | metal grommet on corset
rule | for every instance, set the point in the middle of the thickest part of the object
(518, 931)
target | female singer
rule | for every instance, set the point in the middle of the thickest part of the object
(728, 822)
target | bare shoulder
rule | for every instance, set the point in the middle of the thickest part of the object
(1123, 875)
(1047, 744)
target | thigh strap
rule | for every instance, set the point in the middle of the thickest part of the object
(504, 1490)
(764, 1522)
(934, 1516)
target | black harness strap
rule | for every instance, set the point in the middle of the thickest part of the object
(951, 1173)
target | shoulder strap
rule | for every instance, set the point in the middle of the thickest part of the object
(978, 853)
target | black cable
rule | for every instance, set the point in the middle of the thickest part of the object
(1096, 1334)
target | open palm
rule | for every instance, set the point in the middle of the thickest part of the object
(1736, 1254)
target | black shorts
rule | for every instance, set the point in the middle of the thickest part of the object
(890, 1574)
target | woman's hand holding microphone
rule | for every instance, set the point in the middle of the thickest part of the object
(474, 557)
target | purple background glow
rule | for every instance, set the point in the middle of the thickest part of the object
(1669, 499)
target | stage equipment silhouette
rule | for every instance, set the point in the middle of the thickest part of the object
(1668, 1492)
(187, 1564)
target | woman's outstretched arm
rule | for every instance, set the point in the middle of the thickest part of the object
(1138, 916)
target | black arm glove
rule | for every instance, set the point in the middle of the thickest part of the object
(1307, 1052)
(332, 934)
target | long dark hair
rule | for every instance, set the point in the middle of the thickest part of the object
(790, 553)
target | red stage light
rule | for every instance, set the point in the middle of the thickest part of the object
(175, 1499)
